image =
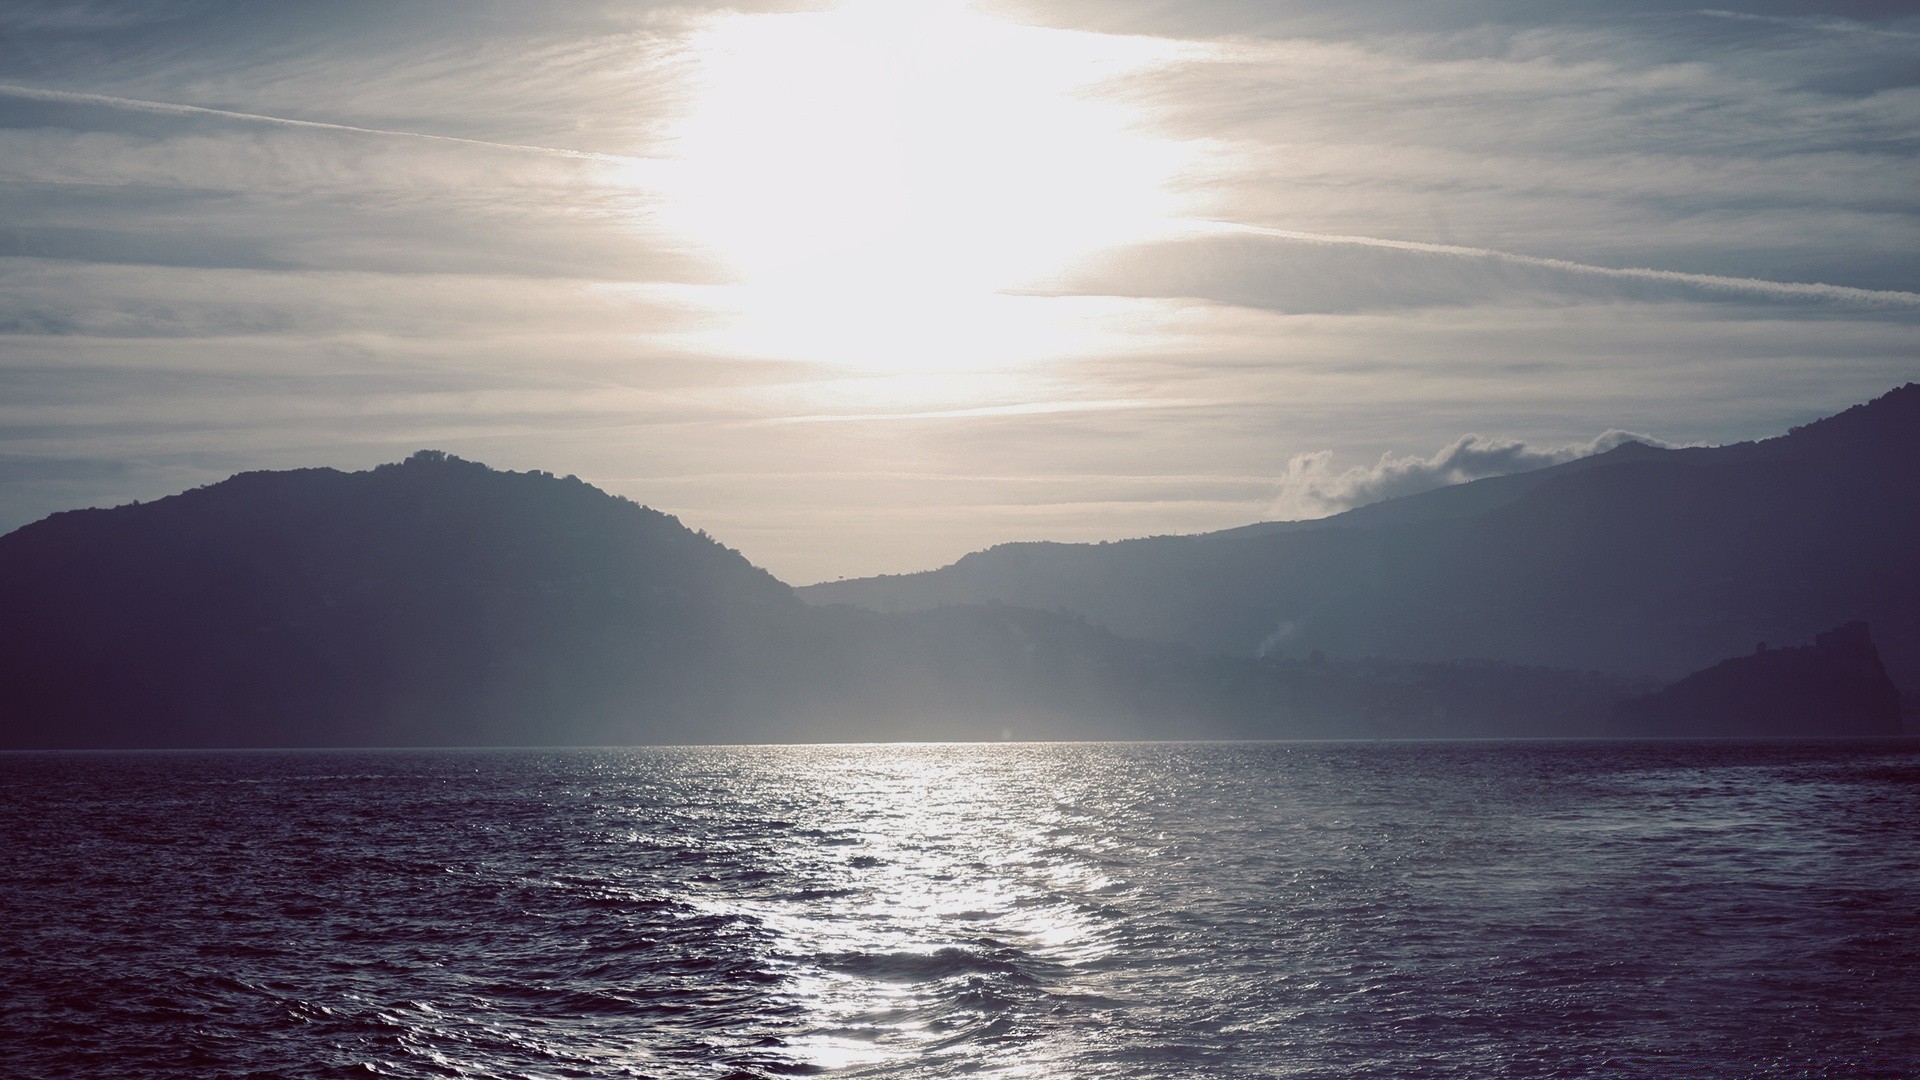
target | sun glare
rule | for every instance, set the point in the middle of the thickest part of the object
(873, 174)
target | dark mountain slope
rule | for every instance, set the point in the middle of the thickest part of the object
(432, 601)
(439, 602)
(1159, 571)
(1641, 560)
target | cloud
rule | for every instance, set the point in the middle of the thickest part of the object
(1720, 282)
(59, 16)
(1313, 487)
(1612, 147)
(170, 108)
(1293, 271)
(1810, 22)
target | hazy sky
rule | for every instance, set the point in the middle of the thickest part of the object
(858, 289)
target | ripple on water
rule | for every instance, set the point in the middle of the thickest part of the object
(1113, 911)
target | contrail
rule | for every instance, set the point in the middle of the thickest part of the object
(1794, 289)
(170, 108)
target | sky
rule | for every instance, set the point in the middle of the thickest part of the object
(859, 288)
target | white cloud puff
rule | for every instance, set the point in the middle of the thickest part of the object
(1315, 487)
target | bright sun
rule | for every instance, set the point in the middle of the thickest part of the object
(875, 174)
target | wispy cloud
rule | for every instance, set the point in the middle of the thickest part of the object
(1314, 487)
(1784, 289)
(1602, 145)
(1827, 24)
(170, 108)
(76, 15)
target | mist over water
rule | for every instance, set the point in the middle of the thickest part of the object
(1084, 910)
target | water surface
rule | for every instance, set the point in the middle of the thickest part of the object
(1048, 910)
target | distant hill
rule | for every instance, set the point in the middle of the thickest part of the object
(440, 602)
(431, 601)
(1642, 561)
(1833, 687)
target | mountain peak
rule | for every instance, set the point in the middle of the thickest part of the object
(427, 459)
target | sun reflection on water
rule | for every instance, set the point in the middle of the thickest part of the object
(945, 886)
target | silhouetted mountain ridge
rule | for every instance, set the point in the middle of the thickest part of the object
(375, 605)
(440, 602)
(1641, 560)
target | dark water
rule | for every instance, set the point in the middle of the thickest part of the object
(1402, 910)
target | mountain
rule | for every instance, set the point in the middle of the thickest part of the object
(1643, 561)
(1833, 687)
(431, 601)
(439, 602)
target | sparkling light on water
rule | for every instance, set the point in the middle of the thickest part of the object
(1113, 911)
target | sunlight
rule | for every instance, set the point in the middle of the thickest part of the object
(905, 329)
(946, 869)
(873, 174)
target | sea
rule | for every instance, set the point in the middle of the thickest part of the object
(1117, 910)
